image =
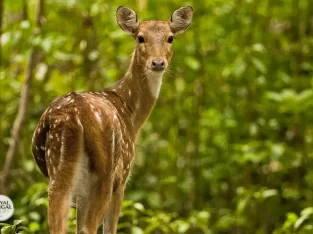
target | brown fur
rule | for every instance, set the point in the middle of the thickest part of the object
(84, 142)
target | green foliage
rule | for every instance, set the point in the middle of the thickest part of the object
(18, 226)
(302, 224)
(134, 219)
(229, 146)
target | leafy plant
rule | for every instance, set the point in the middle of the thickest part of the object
(18, 226)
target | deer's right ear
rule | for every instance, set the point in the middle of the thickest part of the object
(127, 19)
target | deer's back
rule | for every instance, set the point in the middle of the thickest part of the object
(107, 141)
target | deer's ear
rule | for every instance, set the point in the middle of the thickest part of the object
(181, 19)
(127, 19)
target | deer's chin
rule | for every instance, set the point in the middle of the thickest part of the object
(154, 71)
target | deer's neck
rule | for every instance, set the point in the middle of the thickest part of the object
(139, 90)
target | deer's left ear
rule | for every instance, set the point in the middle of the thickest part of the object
(127, 19)
(181, 19)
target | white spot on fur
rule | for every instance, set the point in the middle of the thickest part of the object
(155, 82)
(79, 123)
(113, 143)
(61, 163)
(99, 120)
(129, 93)
(62, 147)
(48, 152)
(137, 105)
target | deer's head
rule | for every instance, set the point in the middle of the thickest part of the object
(154, 38)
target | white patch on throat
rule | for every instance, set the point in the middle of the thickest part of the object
(155, 82)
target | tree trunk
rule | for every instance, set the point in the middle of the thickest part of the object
(23, 104)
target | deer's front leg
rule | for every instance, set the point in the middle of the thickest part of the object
(111, 220)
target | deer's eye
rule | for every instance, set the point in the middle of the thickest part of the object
(141, 39)
(170, 39)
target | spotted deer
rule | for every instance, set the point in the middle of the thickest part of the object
(84, 142)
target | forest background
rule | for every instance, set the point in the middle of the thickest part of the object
(229, 146)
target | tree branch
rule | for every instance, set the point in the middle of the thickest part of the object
(23, 103)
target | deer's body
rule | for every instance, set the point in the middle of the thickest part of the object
(84, 142)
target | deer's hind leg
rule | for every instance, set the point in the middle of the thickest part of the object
(82, 207)
(100, 197)
(81, 194)
(63, 153)
(111, 220)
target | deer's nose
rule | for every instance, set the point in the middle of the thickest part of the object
(158, 65)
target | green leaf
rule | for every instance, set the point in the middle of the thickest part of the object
(300, 222)
(307, 211)
(259, 65)
(258, 47)
(203, 216)
(305, 96)
(139, 206)
(239, 66)
(4, 224)
(19, 222)
(33, 226)
(273, 96)
(269, 193)
(181, 226)
(23, 229)
(192, 62)
(7, 230)
(242, 204)
(136, 230)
